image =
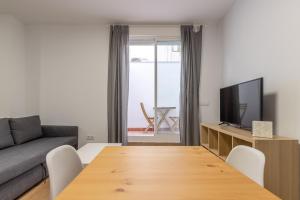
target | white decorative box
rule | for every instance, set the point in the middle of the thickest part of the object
(262, 129)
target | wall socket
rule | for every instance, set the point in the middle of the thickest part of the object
(90, 137)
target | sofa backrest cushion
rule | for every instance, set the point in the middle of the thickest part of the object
(26, 129)
(6, 139)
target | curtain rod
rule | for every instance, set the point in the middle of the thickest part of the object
(162, 25)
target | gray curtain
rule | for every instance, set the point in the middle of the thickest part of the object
(118, 83)
(191, 44)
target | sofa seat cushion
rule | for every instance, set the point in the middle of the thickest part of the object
(26, 129)
(20, 158)
(6, 139)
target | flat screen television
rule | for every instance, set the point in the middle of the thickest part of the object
(242, 103)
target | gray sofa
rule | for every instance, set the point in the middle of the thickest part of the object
(24, 144)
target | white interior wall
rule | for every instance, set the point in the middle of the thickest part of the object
(13, 68)
(33, 63)
(72, 77)
(163, 31)
(211, 73)
(261, 39)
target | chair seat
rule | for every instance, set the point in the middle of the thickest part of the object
(20, 158)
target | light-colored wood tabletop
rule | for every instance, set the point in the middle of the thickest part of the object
(141, 173)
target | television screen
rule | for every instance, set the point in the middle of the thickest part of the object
(242, 103)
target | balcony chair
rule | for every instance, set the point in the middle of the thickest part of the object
(150, 120)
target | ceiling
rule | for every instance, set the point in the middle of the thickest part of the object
(116, 11)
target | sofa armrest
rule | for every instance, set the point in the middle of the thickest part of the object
(59, 131)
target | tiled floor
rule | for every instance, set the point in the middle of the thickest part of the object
(160, 137)
(140, 133)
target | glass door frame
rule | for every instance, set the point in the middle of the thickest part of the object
(153, 40)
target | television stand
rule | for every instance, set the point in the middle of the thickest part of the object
(282, 155)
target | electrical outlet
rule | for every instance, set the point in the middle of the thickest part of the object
(90, 137)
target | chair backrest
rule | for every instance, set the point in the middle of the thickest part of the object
(145, 113)
(63, 165)
(249, 161)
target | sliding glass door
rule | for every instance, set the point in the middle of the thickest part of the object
(154, 86)
(168, 86)
(141, 87)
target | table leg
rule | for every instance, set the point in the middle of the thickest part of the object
(171, 127)
(175, 122)
(163, 117)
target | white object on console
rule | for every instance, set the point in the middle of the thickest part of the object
(262, 129)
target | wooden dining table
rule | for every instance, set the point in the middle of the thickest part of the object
(161, 173)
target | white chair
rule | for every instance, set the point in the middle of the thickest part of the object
(249, 161)
(63, 165)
